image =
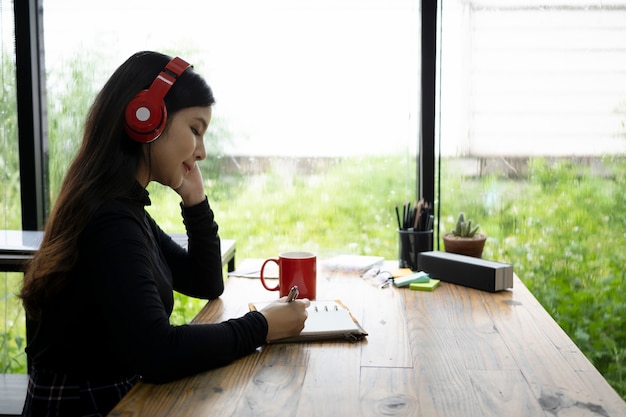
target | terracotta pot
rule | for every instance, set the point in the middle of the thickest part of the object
(470, 246)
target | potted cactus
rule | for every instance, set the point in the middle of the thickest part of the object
(465, 239)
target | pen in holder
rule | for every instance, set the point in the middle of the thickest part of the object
(411, 243)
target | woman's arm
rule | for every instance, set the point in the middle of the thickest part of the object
(197, 271)
(135, 297)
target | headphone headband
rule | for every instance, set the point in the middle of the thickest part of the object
(146, 114)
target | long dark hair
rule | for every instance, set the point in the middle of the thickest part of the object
(104, 168)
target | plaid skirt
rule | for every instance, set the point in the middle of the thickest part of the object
(53, 394)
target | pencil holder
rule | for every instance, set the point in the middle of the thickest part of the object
(411, 243)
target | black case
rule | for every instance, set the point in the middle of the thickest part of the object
(468, 271)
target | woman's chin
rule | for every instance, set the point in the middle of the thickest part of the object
(178, 184)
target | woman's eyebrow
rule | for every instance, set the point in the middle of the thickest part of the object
(203, 121)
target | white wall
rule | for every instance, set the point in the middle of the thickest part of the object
(526, 80)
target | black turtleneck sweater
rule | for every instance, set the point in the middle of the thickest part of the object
(112, 321)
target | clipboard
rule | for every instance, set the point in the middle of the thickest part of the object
(327, 320)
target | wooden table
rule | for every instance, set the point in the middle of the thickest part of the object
(452, 352)
(18, 247)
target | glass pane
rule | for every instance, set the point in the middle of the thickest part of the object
(316, 112)
(12, 328)
(314, 132)
(9, 159)
(532, 141)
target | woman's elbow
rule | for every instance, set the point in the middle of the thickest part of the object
(216, 290)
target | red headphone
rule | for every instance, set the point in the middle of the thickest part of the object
(146, 113)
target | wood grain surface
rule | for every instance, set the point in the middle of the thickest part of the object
(455, 351)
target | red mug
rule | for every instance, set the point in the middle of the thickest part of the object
(294, 268)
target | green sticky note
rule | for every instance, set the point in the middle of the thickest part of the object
(425, 286)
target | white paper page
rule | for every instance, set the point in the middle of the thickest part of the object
(328, 316)
(324, 317)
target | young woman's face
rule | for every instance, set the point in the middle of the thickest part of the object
(178, 148)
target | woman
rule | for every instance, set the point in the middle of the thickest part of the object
(99, 292)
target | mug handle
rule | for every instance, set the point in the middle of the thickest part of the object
(263, 279)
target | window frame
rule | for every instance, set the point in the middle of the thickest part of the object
(31, 114)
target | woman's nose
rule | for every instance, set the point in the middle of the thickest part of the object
(200, 152)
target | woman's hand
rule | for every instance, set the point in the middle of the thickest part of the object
(285, 319)
(192, 189)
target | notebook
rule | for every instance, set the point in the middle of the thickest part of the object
(327, 320)
(352, 263)
(251, 268)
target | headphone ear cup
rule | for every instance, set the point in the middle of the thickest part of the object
(146, 114)
(145, 117)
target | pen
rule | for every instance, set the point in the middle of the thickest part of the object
(398, 217)
(293, 293)
(418, 215)
(431, 220)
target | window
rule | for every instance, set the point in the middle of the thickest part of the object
(12, 328)
(532, 147)
(316, 117)
(314, 133)
(9, 161)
